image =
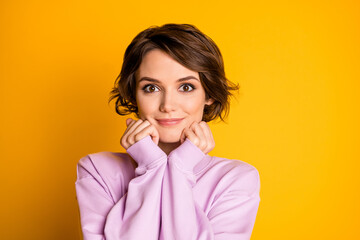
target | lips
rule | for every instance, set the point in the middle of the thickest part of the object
(169, 121)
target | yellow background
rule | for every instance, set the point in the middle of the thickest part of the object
(296, 118)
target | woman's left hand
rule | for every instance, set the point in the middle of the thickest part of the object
(200, 135)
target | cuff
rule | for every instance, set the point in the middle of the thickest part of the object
(186, 156)
(145, 152)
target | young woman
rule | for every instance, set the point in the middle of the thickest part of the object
(167, 186)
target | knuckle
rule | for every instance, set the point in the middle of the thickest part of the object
(131, 143)
(124, 144)
(130, 139)
(137, 137)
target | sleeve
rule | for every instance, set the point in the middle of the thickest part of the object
(137, 214)
(232, 217)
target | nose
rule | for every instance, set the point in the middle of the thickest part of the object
(168, 102)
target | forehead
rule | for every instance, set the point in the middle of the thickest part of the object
(159, 65)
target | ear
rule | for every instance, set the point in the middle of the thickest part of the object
(209, 101)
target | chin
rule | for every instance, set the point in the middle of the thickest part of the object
(169, 137)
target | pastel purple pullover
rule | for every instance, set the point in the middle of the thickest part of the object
(186, 195)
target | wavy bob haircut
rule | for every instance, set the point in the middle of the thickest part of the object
(190, 47)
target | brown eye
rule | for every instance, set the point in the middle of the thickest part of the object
(150, 88)
(186, 88)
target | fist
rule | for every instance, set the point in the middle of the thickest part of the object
(200, 135)
(137, 130)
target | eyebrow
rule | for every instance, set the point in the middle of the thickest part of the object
(157, 81)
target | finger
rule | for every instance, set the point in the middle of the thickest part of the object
(203, 141)
(189, 134)
(198, 130)
(207, 132)
(128, 126)
(129, 129)
(132, 126)
(131, 137)
(149, 130)
(208, 135)
(206, 129)
(128, 121)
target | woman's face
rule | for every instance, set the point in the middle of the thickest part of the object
(169, 95)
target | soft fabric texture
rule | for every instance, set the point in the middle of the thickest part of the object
(186, 195)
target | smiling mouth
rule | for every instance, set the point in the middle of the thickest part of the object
(169, 121)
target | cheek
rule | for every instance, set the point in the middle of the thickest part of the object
(195, 107)
(146, 107)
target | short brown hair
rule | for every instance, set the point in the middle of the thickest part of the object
(188, 46)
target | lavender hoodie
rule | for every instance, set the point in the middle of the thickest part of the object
(186, 195)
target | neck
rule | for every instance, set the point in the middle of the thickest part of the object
(168, 147)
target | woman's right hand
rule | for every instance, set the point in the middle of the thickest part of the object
(137, 130)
